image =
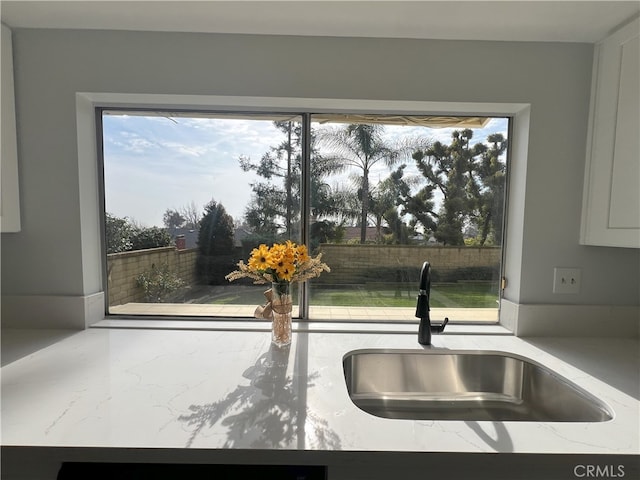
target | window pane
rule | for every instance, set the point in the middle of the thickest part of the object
(187, 196)
(386, 197)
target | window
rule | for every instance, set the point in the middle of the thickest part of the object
(189, 194)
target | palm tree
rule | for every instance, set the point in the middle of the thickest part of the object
(360, 146)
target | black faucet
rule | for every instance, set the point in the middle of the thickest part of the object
(422, 308)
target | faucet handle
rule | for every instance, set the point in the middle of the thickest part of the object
(440, 328)
(426, 328)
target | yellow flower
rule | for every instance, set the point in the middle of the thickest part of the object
(302, 254)
(260, 258)
(285, 270)
(290, 252)
(275, 254)
(282, 262)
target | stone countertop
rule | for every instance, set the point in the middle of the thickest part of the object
(221, 389)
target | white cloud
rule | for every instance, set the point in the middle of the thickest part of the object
(152, 163)
(156, 163)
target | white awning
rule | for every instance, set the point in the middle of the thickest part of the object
(432, 121)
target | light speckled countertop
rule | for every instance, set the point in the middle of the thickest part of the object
(179, 389)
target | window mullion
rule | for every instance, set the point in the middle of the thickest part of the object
(305, 207)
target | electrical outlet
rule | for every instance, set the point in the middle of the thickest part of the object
(566, 280)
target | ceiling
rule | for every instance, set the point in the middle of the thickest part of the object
(552, 21)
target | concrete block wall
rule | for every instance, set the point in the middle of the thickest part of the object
(350, 264)
(123, 269)
(371, 263)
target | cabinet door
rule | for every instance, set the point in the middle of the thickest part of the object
(611, 206)
(9, 195)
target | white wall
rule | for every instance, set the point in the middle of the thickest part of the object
(50, 256)
(9, 195)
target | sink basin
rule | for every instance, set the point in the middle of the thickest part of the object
(467, 385)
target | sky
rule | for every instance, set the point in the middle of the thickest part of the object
(155, 163)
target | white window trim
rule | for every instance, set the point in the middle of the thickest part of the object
(87, 102)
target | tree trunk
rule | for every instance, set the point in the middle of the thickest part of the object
(365, 207)
(288, 182)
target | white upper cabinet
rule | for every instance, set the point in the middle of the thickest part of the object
(611, 201)
(9, 194)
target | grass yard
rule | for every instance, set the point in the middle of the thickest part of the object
(458, 295)
(453, 295)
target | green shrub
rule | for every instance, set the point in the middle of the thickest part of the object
(117, 233)
(159, 283)
(151, 237)
(123, 236)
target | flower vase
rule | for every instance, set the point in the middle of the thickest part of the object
(281, 305)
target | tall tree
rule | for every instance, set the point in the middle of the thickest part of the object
(491, 172)
(275, 203)
(470, 180)
(186, 216)
(447, 167)
(191, 215)
(264, 213)
(361, 146)
(172, 219)
(215, 244)
(420, 206)
(386, 199)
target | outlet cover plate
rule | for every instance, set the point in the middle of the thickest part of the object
(566, 280)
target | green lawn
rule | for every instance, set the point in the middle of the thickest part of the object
(454, 295)
(462, 295)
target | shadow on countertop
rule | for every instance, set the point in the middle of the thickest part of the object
(266, 410)
(20, 343)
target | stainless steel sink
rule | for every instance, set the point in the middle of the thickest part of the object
(465, 385)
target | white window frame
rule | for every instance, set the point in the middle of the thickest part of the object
(88, 142)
